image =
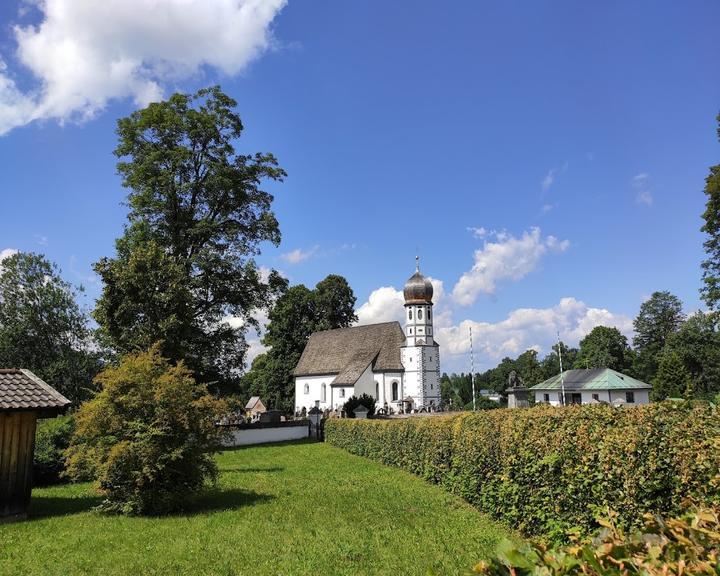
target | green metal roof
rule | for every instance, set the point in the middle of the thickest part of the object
(592, 379)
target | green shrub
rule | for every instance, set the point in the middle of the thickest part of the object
(52, 438)
(147, 437)
(353, 402)
(547, 471)
(689, 544)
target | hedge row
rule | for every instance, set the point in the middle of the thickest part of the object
(549, 471)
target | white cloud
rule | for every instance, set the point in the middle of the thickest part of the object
(7, 252)
(84, 53)
(548, 180)
(523, 329)
(386, 304)
(41, 240)
(478, 232)
(641, 185)
(507, 258)
(299, 255)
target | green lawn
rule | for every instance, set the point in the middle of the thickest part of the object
(278, 509)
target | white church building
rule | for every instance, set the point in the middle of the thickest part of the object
(399, 368)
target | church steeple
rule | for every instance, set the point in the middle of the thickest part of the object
(418, 293)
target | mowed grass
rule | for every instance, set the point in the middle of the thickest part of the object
(303, 508)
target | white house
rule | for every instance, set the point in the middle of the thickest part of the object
(399, 368)
(593, 385)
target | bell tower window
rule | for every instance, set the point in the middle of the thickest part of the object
(410, 314)
(419, 313)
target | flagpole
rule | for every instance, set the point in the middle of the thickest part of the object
(562, 377)
(472, 368)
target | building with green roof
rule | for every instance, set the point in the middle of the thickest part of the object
(591, 386)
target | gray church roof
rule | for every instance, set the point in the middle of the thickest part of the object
(347, 352)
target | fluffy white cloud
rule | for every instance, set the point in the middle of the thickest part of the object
(524, 329)
(548, 180)
(507, 258)
(386, 304)
(84, 53)
(299, 255)
(6, 253)
(641, 185)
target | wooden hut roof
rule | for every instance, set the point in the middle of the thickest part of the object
(22, 390)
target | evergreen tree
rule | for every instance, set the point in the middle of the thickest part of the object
(672, 379)
(659, 317)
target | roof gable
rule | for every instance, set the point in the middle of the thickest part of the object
(347, 352)
(592, 379)
(22, 390)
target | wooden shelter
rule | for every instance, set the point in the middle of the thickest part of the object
(23, 399)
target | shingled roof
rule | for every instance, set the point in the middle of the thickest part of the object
(22, 390)
(348, 352)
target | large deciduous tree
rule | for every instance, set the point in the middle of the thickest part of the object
(42, 327)
(711, 265)
(660, 316)
(604, 347)
(296, 314)
(198, 215)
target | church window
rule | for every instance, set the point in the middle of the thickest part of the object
(429, 314)
(394, 390)
(377, 391)
(342, 392)
(307, 388)
(323, 392)
(419, 313)
(410, 314)
(410, 330)
(429, 330)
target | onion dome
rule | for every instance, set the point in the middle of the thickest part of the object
(418, 289)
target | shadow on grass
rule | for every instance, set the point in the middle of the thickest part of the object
(282, 444)
(46, 506)
(211, 500)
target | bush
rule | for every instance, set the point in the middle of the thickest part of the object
(147, 437)
(52, 438)
(547, 471)
(353, 402)
(686, 545)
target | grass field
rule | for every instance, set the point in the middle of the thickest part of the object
(278, 509)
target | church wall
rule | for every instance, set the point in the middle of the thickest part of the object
(384, 381)
(314, 383)
(366, 383)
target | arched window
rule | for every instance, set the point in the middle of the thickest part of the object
(342, 392)
(419, 313)
(409, 313)
(377, 391)
(429, 314)
(394, 390)
(307, 388)
(323, 392)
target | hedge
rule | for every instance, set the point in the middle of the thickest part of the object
(550, 471)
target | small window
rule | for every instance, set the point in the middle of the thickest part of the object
(546, 397)
(419, 313)
(307, 388)
(630, 397)
(429, 314)
(596, 397)
(323, 392)
(342, 392)
(430, 357)
(429, 331)
(394, 390)
(410, 314)
(377, 391)
(410, 330)
(574, 398)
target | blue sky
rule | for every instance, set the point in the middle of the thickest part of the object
(546, 159)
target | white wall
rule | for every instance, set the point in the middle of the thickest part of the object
(641, 396)
(314, 384)
(265, 435)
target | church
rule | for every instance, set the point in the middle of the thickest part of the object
(399, 367)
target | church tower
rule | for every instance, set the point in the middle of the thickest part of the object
(420, 355)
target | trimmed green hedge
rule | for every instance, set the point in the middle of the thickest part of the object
(549, 471)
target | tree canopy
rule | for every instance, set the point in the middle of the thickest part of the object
(197, 216)
(296, 314)
(43, 328)
(660, 316)
(604, 347)
(711, 265)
